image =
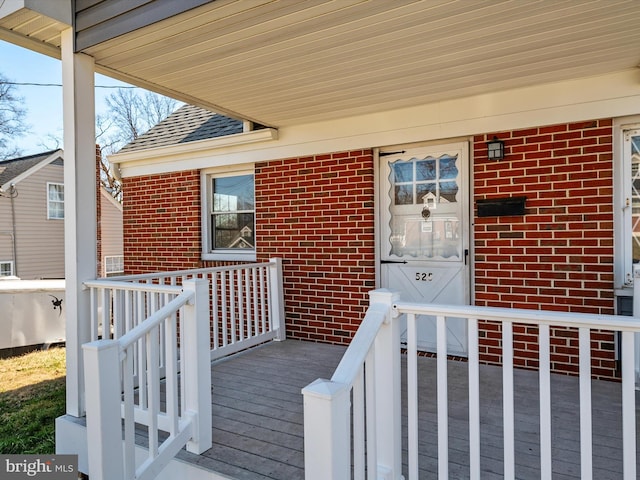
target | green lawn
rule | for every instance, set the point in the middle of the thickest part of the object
(32, 395)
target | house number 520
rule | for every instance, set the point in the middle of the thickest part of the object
(424, 277)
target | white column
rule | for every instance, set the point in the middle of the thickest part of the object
(79, 209)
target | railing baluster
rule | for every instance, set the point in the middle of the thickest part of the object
(443, 411)
(215, 310)
(507, 399)
(359, 466)
(252, 302)
(628, 406)
(474, 400)
(241, 304)
(93, 323)
(118, 305)
(232, 301)
(107, 304)
(223, 288)
(586, 448)
(371, 412)
(263, 299)
(412, 395)
(129, 417)
(142, 374)
(153, 387)
(171, 365)
(544, 371)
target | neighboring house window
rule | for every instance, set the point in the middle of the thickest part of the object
(113, 264)
(55, 200)
(6, 269)
(229, 221)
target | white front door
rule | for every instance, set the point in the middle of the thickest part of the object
(424, 229)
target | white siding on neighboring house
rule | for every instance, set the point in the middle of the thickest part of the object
(111, 225)
(39, 241)
(6, 234)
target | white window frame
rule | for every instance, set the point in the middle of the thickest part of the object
(109, 260)
(11, 271)
(206, 176)
(49, 202)
(623, 247)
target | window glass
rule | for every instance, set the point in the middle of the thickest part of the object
(232, 213)
(55, 200)
(6, 269)
(425, 217)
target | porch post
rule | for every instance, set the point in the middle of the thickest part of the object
(79, 209)
(327, 431)
(277, 299)
(197, 364)
(106, 457)
(388, 390)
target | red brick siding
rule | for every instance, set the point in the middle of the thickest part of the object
(317, 213)
(161, 221)
(559, 255)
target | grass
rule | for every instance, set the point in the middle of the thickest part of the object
(32, 395)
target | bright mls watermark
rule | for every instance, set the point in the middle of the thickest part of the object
(51, 467)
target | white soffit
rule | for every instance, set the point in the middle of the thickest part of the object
(283, 63)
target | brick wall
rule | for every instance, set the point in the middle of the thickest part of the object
(161, 222)
(317, 213)
(559, 255)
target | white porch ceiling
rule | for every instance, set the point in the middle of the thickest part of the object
(287, 62)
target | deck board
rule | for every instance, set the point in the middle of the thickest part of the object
(258, 417)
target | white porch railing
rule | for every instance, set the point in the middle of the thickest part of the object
(165, 328)
(374, 354)
(111, 365)
(247, 303)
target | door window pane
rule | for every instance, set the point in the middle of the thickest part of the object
(426, 170)
(425, 217)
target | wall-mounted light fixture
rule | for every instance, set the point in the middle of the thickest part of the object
(495, 149)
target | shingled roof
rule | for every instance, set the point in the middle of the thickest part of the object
(187, 124)
(14, 167)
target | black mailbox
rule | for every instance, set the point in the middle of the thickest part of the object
(497, 207)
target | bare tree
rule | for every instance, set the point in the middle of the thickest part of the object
(12, 116)
(130, 114)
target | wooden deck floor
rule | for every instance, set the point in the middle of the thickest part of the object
(258, 419)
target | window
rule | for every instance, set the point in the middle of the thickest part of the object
(55, 201)
(113, 264)
(6, 269)
(229, 224)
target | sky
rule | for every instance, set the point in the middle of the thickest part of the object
(43, 104)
